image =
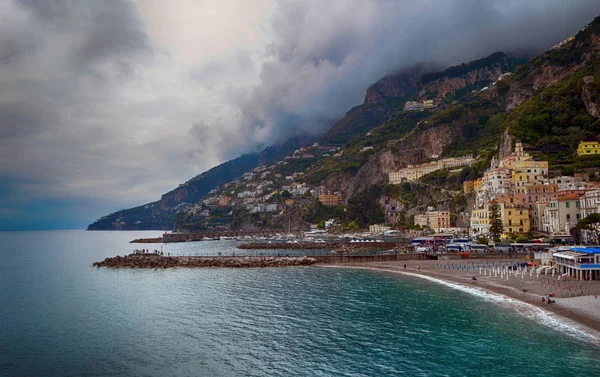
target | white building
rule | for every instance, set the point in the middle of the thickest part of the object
(579, 263)
(563, 213)
(378, 229)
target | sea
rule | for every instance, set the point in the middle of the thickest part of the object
(59, 316)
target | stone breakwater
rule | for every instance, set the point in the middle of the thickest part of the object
(156, 261)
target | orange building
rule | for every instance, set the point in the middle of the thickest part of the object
(330, 199)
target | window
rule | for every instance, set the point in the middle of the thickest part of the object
(568, 204)
(577, 204)
(568, 217)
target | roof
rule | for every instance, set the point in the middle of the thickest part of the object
(568, 196)
(568, 254)
(587, 250)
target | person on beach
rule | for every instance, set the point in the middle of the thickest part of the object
(405, 267)
(418, 267)
(544, 300)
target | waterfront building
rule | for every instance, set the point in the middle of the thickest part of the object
(480, 222)
(518, 182)
(436, 220)
(579, 263)
(515, 216)
(588, 147)
(378, 229)
(563, 213)
(589, 203)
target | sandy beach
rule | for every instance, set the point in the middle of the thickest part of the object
(575, 301)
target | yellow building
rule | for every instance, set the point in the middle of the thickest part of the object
(414, 172)
(515, 216)
(588, 147)
(478, 184)
(436, 220)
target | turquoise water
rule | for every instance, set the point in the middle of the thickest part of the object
(61, 317)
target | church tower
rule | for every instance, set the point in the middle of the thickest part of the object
(519, 149)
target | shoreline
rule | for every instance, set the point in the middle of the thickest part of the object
(568, 310)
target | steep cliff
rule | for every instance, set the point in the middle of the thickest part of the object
(389, 94)
(381, 99)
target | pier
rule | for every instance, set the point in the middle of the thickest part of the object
(210, 234)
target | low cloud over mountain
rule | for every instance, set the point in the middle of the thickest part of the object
(113, 103)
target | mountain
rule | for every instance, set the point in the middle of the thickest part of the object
(391, 92)
(161, 214)
(551, 103)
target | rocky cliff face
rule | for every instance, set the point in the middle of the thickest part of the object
(415, 148)
(395, 86)
(445, 86)
(506, 144)
(590, 94)
(381, 99)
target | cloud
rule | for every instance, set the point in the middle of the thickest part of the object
(110, 104)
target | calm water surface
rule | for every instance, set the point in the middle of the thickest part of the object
(61, 317)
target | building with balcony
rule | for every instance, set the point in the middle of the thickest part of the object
(579, 263)
(563, 213)
(378, 229)
(436, 220)
(588, 147)
(330, 199)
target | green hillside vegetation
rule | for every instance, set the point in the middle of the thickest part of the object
(554, 121)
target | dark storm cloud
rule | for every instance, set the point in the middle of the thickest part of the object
(94, 104)
(108, 30)
(325, 54)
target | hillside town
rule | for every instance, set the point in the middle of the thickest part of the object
(529, 200)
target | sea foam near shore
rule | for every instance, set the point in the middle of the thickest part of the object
(532, 312)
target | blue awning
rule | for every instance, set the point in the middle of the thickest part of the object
(588, 250)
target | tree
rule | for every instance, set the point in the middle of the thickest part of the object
(482, 241)
(353, 226)
(591, 223)
(496, 226)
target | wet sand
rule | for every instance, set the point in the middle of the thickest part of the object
(583, 309)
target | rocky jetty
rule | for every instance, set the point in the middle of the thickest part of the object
(157, 261)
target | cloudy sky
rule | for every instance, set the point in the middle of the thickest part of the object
(108, 104)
